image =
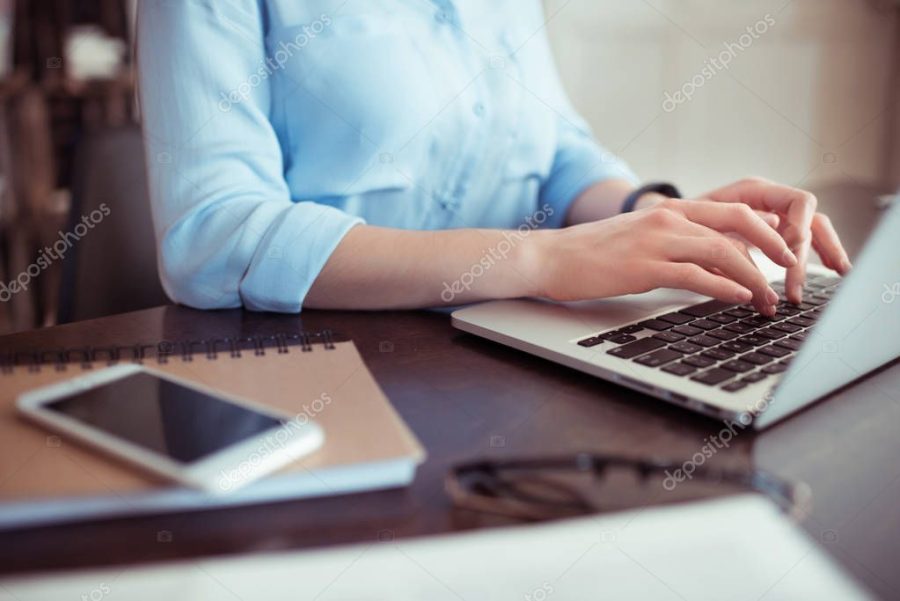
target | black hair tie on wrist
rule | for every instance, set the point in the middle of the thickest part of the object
(664, 188)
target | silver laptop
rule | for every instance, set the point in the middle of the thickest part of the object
(716, 358)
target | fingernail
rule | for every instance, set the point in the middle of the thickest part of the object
(788, 259)
(771, 296)
(797, 290)
(743, 295)
(846, 266)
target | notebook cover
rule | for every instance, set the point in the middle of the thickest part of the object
(327, 383)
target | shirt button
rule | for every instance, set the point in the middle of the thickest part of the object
(443, 199)
(478, 109)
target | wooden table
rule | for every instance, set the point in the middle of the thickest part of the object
(466, 397)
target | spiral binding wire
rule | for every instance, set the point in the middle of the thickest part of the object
(167, 350)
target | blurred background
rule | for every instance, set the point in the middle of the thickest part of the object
(699, 92)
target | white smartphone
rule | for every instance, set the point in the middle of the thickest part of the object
(174, 428)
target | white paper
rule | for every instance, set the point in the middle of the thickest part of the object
(739, 548)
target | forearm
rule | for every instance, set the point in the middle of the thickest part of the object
(604, 199)
(599, 201)
(384, 268)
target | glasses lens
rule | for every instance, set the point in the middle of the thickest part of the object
(547, 493)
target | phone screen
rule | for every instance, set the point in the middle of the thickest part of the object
(180, 423)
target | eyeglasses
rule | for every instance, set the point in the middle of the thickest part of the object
(554, 487)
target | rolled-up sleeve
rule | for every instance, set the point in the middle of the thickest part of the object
(578, 163)
(228, 232)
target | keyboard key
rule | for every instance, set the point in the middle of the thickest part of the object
(687, 330)
(802, 321)
(657, 358)
(679, 369)
(686, 347)
(705, 341)
(775, 368)
(737, 365)
(788, 345)
(757, 321)
(722, 318)
(815, 300)
(669, 336)
(787, 327)
(713, 376)
(801, 337)
(719, 354)
(589, 342)
(676, 318)
(707, 308)
(757, 358)
(734, 386)
(699, 361)
(739, 313)
(787, 310)
(622, 339)
(631, 329)
(655, 324)
(737, 347)
(770, 333)
(705, 324)
(722, 334)
(739, 327)
(775, 351)
(753, 339)
(644, 345)
(756, 376)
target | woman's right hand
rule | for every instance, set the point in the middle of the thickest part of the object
(675, 244)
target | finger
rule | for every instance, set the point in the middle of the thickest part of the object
(797, 208)
(742, 220)
(689, 276)
(828, 245)
(770, 218)
(718, 252)
(796, 205)
(796, 276)
(822, 255)
(712, 250)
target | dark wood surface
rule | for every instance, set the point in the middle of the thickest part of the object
(466, 397)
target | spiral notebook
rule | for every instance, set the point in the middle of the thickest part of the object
(46, 478)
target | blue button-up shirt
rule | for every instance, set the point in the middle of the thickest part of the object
(272, 127)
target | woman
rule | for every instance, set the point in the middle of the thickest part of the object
(363, 154)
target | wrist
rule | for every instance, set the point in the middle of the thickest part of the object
(649, 199)
(530, 264)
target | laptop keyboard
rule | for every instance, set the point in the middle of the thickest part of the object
(722, 344)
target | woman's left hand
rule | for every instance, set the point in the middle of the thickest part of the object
(792, 212)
